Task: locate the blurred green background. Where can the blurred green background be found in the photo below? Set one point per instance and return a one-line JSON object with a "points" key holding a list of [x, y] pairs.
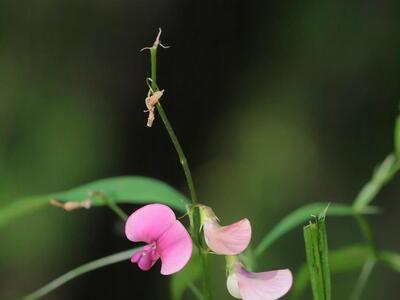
{"points": [[276, 103]]}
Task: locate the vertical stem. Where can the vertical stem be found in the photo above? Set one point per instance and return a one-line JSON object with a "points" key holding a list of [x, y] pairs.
{"points": [[363, 279], [369, 263], [382, 175], [170, 130], [367, 233], [195, 230], [195, 291], [207, 294]]}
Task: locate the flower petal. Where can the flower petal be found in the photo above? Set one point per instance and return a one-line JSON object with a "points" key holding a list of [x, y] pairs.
{"points": [[149, 222], [136, 256], [146, 262], [232, 285], [228, 240], [263, 286], [175, 248]]}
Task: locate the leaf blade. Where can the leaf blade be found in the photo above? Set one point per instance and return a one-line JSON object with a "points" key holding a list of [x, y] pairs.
{"points": [[391, 259], [300, 216], [22, 207], [341, 260], [127, 189], [122, 190], [316, 244]]}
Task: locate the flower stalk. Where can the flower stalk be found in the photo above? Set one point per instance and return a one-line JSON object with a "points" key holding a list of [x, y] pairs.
{"points": [[196, 224]]}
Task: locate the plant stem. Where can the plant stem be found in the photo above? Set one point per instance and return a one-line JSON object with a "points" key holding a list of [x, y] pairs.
{"points": [[88, 267], [207, 294], [367, 233], [195, 230], [170, 130], [382, 175], [114, 207], [117, 210], [181, 154], [363, 279], [195, 291]]}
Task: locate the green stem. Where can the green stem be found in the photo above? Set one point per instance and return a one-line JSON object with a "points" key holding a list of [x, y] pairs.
{"points": [[195, 226], [367, 233], [113, 206], [363, 279], [207, 294], [96, 264], [195, 291], [369, 263], [170, 130], [382, 175], [117, 210]]}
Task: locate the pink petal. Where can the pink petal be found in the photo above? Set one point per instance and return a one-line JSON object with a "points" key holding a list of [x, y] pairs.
{"points": [[146, 262], [232, 285], [263, 286], [175, 248], [136, 256], [145, 257], [228, 240], [148, 223]]}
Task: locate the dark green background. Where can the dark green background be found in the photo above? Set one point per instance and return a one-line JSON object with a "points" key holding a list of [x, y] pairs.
{"points": [[277, 104]]}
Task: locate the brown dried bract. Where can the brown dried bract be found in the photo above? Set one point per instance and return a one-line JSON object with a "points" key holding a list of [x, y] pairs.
{"points": [[151, 102], [72, 205]]}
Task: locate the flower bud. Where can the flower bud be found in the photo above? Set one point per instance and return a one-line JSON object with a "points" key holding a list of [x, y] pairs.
{"points": [[225, 240]]}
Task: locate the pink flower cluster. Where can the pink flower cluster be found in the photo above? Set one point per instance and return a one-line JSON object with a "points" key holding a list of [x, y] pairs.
{"points": [[167, 239]]}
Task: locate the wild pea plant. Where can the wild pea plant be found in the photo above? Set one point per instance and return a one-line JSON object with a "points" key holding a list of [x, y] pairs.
{"points": [[166, 239]]}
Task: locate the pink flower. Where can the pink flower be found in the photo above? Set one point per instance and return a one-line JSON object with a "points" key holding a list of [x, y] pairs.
{"points": [[166, 238], [225, 240], [246, 285]]}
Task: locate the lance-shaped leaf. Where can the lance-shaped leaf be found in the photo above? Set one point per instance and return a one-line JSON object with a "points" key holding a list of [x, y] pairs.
{"points": [[381, 176], [301, 215], [317, 258], [391, 259], [127, 189]]}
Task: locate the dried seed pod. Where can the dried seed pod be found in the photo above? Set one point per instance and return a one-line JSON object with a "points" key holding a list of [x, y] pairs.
{"points": [[151, 101], [72, 205]]}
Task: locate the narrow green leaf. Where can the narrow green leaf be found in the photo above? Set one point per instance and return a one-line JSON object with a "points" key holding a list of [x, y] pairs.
{"points": [[300, 216], [88, 267], [316, 244], [382, 175], [342, 260], [127, 189], [391, 259], [184, 279], [21, 207]]}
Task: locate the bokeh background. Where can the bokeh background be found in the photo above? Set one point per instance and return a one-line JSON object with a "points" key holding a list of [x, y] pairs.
{"points": [[276, 103]]}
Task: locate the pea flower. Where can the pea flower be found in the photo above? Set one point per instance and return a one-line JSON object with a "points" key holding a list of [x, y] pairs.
{"points": [[246, 285], [225, 240], [166, 238]]}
